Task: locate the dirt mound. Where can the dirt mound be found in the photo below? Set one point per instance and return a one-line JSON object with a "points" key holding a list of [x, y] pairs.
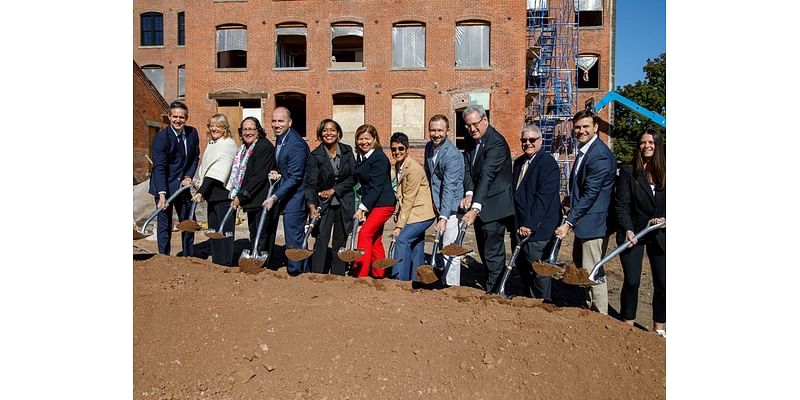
{"points": [[207, 332]]}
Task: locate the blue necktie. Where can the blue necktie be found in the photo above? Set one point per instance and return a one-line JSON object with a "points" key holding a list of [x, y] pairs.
{"points": [[182, 142]]}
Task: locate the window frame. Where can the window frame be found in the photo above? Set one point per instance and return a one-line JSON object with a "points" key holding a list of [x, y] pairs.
{"points": [[233, 55], [411, 24], [158, 34], [182, 28], [468, 23]]}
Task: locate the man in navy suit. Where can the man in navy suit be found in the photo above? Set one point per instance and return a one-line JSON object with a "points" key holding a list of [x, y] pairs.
{"points": [[536, 205], [488, 187], [291, 153], [176, 153], [444, 166], [591, 185]]}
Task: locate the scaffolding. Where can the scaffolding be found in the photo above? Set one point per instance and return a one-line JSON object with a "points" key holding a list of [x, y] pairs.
{"points": [[552, 48]]}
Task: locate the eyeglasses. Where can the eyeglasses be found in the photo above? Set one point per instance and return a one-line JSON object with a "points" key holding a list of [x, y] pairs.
{"points": [[474, 124], [398, 148], [529, 140]]}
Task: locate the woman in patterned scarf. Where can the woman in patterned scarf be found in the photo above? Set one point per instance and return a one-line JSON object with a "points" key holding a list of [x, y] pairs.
{"points": [[249, 183]]}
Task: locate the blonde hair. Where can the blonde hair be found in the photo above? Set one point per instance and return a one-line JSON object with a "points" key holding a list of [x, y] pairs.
{"points": [[222, 120]]}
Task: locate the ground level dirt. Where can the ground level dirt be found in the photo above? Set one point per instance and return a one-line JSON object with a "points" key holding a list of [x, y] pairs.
{"points": [[207, 332]]}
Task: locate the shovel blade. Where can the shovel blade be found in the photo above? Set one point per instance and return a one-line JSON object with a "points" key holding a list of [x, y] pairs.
{"points": [[298, 254], [577, 276], [384, 263], [426, 275], [250, 263], [455, 250], [545, 269], [348, 255], [139, 235], [189, 226]]}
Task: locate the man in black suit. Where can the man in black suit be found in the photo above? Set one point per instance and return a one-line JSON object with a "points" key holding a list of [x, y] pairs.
{"points": [[176, 153], [536, 206], [488, 187], [591, 184]]}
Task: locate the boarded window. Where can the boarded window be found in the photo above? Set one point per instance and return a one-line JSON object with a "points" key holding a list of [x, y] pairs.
{"points": [[408, 115], [408, 45], [472, 45], [348, 111]]}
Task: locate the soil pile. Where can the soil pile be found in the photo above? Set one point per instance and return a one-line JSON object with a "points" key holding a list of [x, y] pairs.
{"points": [[206, 332]]}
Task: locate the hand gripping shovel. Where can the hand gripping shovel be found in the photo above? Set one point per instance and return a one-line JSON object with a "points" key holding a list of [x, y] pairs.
{"points": [[425, 272], [592, 278], [502, 289], [350, 254], [190, 225], [141, 234], [220, 233], [457, 249], [389, 261], [251, 261], [302, 253]]}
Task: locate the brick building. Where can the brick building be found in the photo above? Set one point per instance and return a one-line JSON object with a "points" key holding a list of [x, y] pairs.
{"points": [[389, 63], [149, 112]]}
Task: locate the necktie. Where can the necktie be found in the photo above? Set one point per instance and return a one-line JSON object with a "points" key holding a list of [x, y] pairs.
{"points": [[477, 148], [360, 158], [577, 164], [522, 173], [182, 142]]}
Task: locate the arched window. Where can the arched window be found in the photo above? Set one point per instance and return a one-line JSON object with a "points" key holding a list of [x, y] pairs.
{"points": [[408, 45], [408, 115], [347, 45], [290, 46], [232, 46], [472, 44], [155, 73]]}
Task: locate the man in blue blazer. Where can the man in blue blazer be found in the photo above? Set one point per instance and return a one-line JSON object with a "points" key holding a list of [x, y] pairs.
{"points": [[591, 186], [537, 208], [176, 153], [488, 187], [291, 153], [444, 166]]}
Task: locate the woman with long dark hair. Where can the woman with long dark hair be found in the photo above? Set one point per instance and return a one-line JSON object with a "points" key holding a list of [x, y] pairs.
{"points": [[641, 198]]}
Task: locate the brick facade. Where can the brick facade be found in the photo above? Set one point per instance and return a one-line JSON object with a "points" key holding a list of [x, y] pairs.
{"points": [[149, 111], [446, 89]]}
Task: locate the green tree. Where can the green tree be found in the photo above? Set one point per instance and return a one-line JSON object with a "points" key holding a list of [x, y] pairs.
{"points": [[650, 94]]}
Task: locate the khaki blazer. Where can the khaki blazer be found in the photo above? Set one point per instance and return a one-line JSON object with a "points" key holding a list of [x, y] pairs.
{"points": [[414, 198]]}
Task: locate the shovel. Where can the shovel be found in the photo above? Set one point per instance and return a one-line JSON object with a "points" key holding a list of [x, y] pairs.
{"points": [[350, 254], [457, 249], [251, 261], [141, 234], [220, 233], [551, 267], [190, 225], [592, 278], [302, 253], [502, 290], [425, 272], [389, 261]]}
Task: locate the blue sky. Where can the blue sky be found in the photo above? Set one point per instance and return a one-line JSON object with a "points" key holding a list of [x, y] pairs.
{"points": [[641, 34]]}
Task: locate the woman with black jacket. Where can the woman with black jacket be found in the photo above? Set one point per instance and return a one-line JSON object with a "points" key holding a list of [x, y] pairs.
{"points": [[249, 181], [377, 199], [329, 180], [641, 198]]}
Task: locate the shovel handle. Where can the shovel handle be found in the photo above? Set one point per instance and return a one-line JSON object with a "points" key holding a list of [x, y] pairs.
{"points": [[435, 248], [355, 233], [501, 290], [225, 219], [462, 231], [650, 227], [314, 222], [390, 253], [263, 216], [158, 210]]}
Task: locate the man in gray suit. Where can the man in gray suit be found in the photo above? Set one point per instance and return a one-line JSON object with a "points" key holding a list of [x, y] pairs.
{"points": [[591, 184], [444, 166]]}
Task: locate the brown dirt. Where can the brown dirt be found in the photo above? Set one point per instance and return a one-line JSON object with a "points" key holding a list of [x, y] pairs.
{"points": [[189, 226], [207, 332], [546, 269], [576, 276], [348, 255], [455, 250], [384, 263], [203, 332], [426, 275], [298, 254]]}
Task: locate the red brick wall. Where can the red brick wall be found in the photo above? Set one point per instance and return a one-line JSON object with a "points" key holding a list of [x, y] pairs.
{"points": [[148, 107], [170, 55]]}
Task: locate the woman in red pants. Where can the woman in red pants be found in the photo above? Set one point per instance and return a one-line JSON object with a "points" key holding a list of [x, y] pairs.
{"points": [[377, 199]]}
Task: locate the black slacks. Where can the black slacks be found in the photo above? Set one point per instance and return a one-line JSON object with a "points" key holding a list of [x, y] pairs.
{"points": [[323, 262], [491, 247], [632, 268]]}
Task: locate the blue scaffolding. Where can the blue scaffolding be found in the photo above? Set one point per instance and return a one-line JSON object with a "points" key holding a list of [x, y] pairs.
{"points": [[550, 77]]}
